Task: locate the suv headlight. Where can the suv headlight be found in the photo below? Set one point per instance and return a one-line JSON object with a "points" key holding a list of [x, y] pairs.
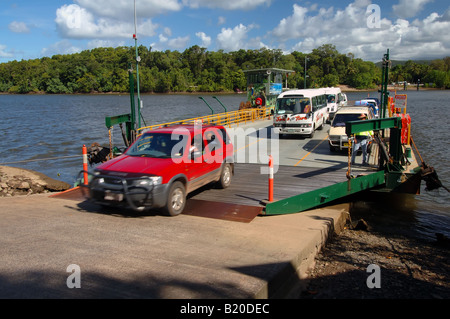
{"points": [[145, 181], [156, 180]]}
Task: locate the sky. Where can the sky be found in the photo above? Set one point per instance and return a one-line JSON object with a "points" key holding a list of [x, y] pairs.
{"points": [[410, 29]]}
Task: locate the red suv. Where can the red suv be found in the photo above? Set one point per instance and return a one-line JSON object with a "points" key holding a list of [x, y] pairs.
{"points": [[162, 166]]}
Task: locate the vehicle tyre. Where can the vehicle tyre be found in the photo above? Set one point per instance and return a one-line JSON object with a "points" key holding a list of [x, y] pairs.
{"points": [[312, 133], [322, 125], [225, 176], [176, 199]]}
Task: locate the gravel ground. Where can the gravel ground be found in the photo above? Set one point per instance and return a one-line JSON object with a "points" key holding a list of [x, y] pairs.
{"points": [[409, 268]]}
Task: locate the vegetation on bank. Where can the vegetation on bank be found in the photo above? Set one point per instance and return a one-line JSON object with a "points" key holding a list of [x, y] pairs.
{"points": [[199, 70]]}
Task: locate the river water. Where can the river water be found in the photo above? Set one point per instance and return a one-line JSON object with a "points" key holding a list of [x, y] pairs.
{"points": [[46, 133]]}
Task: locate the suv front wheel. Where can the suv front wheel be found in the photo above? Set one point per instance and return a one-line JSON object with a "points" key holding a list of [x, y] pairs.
{"points": [[225, 176], [176, 199]]}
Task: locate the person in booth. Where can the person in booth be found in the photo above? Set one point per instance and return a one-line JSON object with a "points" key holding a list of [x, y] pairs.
{"points": [[307, 109], [362, 140]]}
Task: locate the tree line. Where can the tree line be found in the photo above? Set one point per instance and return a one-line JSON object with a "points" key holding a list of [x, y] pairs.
{"points": [[199, 70]]}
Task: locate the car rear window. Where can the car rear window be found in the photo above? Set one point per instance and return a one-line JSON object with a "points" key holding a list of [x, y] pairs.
{"points": [[341, 119]]}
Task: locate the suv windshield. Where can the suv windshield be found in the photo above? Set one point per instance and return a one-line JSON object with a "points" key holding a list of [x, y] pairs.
{"points": [[159, 145], [293, 105], [341, 119]]}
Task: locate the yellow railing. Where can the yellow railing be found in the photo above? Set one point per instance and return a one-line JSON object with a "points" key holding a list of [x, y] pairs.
{"points": [[225, 119]]}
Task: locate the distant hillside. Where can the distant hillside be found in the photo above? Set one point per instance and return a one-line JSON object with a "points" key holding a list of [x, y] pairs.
{"points": [[196, 69]]}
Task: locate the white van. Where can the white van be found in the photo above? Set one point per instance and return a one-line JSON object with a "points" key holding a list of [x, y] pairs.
{"points": [[300, 112], [335, 100]]}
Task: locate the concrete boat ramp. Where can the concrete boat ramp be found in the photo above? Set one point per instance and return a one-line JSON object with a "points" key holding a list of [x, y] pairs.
{"points": [[124, 255], [50, 243]]}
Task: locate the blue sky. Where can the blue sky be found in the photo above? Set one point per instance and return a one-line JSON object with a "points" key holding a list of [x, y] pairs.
{"points": [[411, 29]]}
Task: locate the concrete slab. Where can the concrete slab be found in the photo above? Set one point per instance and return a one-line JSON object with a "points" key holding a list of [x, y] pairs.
{"points": [[123, 254]]}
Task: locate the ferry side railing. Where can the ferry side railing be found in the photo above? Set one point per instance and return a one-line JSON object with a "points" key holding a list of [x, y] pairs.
{"points": [[226, 119]]}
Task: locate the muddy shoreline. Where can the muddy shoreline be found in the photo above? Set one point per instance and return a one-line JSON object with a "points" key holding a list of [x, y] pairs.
{"points": [[409, 267], [19, 181]]}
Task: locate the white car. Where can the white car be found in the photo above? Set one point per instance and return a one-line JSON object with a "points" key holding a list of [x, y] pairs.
{"points": [[337, 138]]}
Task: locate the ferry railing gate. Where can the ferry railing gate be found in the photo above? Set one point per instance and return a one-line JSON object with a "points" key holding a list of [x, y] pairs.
{"points": [[201, 98]]}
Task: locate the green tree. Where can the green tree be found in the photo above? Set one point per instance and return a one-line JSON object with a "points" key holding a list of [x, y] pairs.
{"points": [[438, 79], [106, 70], [88, 83]]}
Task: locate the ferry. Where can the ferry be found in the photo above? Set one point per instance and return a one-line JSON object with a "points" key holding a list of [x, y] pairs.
{"points": [[393, 163]]}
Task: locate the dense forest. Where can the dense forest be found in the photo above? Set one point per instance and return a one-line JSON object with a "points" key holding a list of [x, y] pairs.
{"points": [[199, 70]]}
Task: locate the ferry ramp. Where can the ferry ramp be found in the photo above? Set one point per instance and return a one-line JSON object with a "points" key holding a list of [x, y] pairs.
{"points": [[230, 254], [301, 165]]}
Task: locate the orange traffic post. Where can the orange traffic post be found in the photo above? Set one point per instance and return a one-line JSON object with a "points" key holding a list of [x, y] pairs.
{"points": [[270, 178], [85, 165]]}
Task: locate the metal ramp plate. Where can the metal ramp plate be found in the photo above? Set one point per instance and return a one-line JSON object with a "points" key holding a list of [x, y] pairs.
{"points": [[220, 210], [72, 194], [194, 207]]}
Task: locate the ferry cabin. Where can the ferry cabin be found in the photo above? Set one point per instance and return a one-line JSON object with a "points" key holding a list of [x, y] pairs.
{"points": [[300, 112], [264, 85]]}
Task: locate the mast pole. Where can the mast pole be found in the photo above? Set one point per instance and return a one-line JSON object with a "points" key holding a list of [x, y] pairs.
{"points": [[137, 68]]}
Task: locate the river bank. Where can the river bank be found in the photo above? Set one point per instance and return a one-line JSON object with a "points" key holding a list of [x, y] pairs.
{"points": [[19, 181], [344, 89], [410, 267]]}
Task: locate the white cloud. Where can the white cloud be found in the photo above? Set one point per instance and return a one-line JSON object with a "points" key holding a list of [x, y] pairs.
{"points": [[228, 4], [178, 43], [165, 43], [104, 44], [206, 40], [124, 9], [167, 31], [306, 28], [233, 39], [348, 30], [303, 24], [221, 20], [18, 27], [61, 47], [409, 8], [4, 53], [163, 38], [293, 26], [74, 21], [445, 16]]}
